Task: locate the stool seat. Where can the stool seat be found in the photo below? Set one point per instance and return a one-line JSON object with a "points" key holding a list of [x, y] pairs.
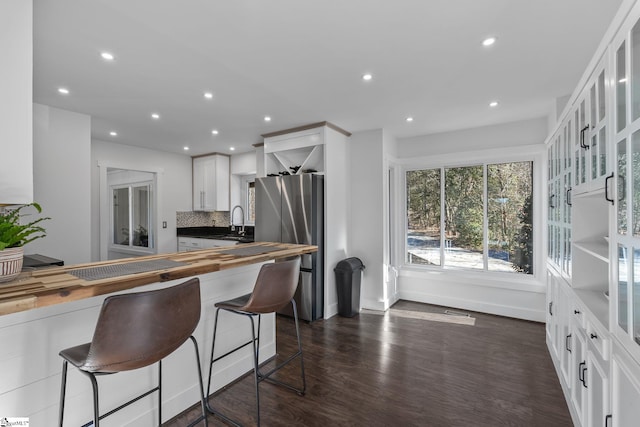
{"points": [[234, 304], [77, 355]]}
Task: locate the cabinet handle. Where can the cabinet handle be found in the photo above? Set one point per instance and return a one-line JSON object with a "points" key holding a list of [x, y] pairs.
{"points": [[584, 375], [607, 419], [582, 131], [594, 336], [576, 311], [551, 205], [606, 189], [568, 197], [566, 343], [551, 308], [581, 370]]}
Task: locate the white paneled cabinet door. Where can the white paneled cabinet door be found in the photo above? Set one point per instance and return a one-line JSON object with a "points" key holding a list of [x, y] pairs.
{"points": [[578, 367], [211, 183], [597, 385]]}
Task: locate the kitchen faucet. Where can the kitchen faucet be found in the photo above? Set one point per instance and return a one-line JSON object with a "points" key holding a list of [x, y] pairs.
{"points": [[233, 227]]}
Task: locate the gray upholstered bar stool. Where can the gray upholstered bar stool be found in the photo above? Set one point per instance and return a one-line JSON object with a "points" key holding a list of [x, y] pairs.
{"points": [[274, 288], [137, 330]]}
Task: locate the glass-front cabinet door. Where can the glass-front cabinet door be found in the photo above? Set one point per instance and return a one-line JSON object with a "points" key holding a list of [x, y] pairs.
{"points": [[591, 165], [624, 190]]}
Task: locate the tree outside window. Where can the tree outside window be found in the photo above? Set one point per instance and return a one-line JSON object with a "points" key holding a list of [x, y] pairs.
{"points": [[450, 222]]}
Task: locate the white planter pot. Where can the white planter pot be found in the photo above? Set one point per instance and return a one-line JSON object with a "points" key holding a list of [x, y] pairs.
{"points": [[10, 263]]}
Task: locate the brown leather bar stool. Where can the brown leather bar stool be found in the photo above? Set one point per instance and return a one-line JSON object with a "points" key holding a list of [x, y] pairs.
{"points": [[274, 288], [137, 330]]}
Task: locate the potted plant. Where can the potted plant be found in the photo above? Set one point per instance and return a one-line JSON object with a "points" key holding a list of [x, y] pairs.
{"points": [[13, 236]]}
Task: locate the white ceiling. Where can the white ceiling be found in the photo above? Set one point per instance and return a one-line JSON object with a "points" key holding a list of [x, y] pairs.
{"points": [[301, 61]]}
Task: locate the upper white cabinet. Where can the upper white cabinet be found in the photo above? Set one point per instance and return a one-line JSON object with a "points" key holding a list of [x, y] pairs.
{"points": [[299, 150], [591, 145], [211, 183]]}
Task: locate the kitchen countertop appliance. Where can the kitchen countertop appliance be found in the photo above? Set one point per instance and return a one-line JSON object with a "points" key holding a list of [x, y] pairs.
{"points": [[290, 209]]}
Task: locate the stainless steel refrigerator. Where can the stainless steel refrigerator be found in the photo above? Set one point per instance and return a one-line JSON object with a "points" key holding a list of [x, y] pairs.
{"points": [[290, 209]]}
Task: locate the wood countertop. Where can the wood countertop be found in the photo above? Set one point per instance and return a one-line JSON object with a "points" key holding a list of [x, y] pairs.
{"points": [[50, 286]]}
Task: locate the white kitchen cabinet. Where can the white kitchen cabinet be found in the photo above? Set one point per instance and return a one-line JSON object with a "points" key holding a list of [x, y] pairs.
{"points": [[188, 244], [211, 183]]}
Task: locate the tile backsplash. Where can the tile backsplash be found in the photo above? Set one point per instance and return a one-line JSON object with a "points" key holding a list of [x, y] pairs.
{"points": [[202, 219]]}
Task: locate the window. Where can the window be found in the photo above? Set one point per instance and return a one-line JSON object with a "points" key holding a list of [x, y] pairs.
{"points": [[131, 215], [475, 217], [249, 198]]}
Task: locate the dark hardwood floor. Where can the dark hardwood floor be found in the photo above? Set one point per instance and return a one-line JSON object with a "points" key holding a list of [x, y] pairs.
{"points": [[395, 370]]}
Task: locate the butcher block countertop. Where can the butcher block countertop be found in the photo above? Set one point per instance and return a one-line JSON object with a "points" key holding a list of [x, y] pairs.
{"points": [[41, 288]]}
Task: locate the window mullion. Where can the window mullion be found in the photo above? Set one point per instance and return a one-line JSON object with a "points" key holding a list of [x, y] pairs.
{"points": [[485, 219], [442, 217]]}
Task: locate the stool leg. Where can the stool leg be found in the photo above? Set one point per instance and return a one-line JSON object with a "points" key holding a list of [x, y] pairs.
{"points": [[96, 411], [202, 398], [213, 346], [295, 317], [255, 367], [63, 389], [159, 393]]}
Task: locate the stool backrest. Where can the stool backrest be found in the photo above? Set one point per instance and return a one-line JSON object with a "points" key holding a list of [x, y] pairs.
{"points": [[275, 286], [139, 329]]}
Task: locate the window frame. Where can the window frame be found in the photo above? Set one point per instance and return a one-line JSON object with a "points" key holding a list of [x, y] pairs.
{"points": [[533, 153], [245, 182], [130, 248]]}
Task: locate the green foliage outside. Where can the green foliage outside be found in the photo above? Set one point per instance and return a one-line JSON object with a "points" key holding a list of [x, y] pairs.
{"points": [[508, 209]]}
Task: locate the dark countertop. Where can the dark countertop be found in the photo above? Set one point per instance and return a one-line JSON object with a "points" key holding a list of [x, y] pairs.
{"points": [[217, 233]]}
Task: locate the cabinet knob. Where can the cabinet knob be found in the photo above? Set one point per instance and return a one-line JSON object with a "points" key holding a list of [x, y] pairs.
{"points": [[594, 336], [576, 311]]}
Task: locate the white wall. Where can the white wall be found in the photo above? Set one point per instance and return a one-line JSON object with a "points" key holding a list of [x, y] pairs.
{"points": [[337, 212], [367, 223], [16, 75], [61, 160], [174, 186], [524, 132], [505, 294]]}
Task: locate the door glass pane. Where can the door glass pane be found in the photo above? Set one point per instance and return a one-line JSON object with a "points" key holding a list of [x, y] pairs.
{"points": [[621, 206], [622, 288], [510, 217], [601, 99], [423, 217], [464, 217], [592, 117], [121, 216], [621, 85], [141, 216], [636, 295], [602, 150], [635, 71], [635, 188], [594, 156]]}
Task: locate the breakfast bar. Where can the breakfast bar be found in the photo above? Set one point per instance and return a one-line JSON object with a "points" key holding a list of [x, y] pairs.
{"points": [[45, 311]]}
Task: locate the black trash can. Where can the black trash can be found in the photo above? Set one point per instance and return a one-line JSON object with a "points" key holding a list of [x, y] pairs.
{"points": [[348, 274]]}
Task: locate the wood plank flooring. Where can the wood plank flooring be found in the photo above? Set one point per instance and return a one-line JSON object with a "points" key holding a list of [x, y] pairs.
{"points": [[394, 370]]}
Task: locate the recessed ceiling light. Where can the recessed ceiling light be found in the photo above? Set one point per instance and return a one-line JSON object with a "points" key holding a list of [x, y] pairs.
{"points": [[232, 148], [267, 118], [63, 90], [215, 131], [113, 133], [488, 41], [107, 56], [367, 77], [155, 116], [409, 119], [208, 95], [493, 104], [185, 148]]}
